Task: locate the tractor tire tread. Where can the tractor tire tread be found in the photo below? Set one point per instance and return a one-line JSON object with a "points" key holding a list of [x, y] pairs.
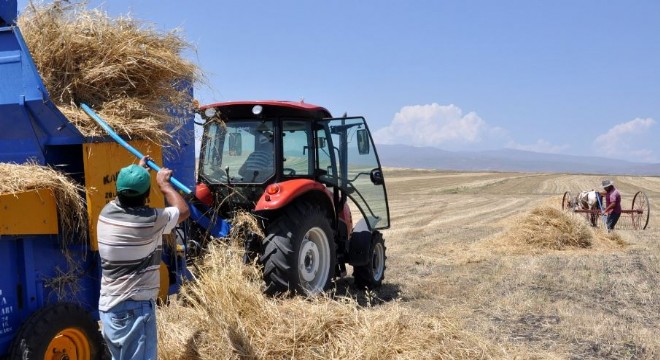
{"points": [[363, 276], [279, 253]]}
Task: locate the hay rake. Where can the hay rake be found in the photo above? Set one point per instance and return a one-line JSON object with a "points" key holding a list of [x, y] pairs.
{"points": [[635, 218]]}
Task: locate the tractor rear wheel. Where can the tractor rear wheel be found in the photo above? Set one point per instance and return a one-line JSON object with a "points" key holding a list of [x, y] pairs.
{"points": [[299, 251], [60, 331], [372, 274]]}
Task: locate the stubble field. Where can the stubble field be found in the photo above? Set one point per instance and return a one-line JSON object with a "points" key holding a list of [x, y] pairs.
{"points": [[480, 266], [450, 256]]}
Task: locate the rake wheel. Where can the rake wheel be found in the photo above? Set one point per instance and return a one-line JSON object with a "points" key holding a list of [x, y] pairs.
{"points": [[641, 211], [566, 201]]}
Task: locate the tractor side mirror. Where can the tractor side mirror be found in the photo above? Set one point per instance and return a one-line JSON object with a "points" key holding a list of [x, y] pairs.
{"points": [[321, 143], [376, 177], [363, 141], [235, 144]]}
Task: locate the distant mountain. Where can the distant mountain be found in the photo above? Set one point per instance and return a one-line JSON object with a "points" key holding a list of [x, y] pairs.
{"points": [[507, 160]]}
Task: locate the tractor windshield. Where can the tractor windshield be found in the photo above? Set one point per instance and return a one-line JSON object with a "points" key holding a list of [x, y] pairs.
{"points": [[238, 152]]}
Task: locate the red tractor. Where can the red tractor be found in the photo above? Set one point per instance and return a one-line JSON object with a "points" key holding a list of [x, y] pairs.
{"points": [[294, 167]]}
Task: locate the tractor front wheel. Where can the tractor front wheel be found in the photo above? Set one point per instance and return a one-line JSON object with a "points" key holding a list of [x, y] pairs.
{"points": [[299, 251], [60, 331], [372, 274]]}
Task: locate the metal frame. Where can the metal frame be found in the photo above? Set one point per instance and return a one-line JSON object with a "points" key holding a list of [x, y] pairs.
{"points": [[638, 215]]}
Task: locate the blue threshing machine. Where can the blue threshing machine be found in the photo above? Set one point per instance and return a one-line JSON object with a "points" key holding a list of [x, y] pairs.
{"points": [[49, 286]]}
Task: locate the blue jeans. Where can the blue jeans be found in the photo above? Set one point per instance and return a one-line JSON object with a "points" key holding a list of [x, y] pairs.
{"points": [[612, 219], [129, 330]]}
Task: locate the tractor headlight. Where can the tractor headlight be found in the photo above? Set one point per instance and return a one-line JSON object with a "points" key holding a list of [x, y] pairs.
{"points": [[210, 112]]}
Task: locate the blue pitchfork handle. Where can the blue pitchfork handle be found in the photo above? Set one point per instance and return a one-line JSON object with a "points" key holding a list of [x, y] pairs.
{"points": [[218, 229]]}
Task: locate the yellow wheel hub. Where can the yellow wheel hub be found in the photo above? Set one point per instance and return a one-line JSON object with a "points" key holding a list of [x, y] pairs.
{"points": [[68, 344]]}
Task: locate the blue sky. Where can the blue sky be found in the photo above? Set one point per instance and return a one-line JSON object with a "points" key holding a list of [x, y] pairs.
{"points": [[569, 77]]}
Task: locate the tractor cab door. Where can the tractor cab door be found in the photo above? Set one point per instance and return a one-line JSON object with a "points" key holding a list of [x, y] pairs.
{"points": [[347, 158]]}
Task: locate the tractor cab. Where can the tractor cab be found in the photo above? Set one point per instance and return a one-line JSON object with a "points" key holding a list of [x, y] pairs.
{"points": [[247, 146], [287, 159]]}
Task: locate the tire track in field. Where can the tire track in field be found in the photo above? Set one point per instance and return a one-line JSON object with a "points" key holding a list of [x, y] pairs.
{"points": [[559, 184], [447, 183]]}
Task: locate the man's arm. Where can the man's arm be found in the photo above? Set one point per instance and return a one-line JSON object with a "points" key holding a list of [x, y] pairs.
{"points": [[171, 195]]}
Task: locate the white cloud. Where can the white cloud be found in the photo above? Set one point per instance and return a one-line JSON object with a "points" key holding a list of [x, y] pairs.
{"points": [[625, 140], [541, 146], [436, 125]]}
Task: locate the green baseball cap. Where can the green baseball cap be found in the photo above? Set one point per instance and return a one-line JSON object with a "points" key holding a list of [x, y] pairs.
{"points": [[134, 178]]}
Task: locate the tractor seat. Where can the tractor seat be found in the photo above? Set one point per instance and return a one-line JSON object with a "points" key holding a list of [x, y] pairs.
{"points": [[257, 167]]}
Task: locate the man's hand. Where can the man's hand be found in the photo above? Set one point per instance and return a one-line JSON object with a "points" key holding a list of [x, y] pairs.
{"points": [[143, 161], [163, 177], [172, 197]]}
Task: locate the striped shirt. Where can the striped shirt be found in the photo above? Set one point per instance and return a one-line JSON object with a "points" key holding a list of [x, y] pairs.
{"points": [[130, 246]]}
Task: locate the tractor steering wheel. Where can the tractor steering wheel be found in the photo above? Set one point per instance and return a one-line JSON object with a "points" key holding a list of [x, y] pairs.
{"points": [[290, 170]]}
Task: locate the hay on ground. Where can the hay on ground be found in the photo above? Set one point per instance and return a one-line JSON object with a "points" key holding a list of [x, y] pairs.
{"points": [[125, 70], [15, 178], [224, 315], [244, 225], [550, 228]]}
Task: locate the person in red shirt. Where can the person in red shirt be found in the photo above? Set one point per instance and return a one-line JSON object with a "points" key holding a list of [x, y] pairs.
{"points": [[612, 204]]}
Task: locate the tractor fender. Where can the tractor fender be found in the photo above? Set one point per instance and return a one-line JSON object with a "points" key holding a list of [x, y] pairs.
{"points": [[344, 225], [359, 247], [347, 218], [278, 195]]}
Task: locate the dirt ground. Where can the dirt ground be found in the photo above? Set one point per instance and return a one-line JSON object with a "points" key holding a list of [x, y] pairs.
{"points": [[448, 257]]}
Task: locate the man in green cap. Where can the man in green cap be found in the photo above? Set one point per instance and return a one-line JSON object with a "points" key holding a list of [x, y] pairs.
{"points": [[130, 243]]}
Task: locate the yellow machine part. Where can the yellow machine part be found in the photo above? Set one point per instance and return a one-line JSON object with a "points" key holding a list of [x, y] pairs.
{"points": [[28, 213], [164, 283], [102, 164]]}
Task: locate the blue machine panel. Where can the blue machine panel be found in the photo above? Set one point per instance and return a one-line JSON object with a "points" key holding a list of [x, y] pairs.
{"points": [[181, 159], [9, 313], [8, 9], [28, 119], [35, 274]]}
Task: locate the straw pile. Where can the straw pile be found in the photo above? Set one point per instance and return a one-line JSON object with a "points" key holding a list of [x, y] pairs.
{"points": [[550, 228], [226, 316], [126, 71], [16, 178], [244, 224]]}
